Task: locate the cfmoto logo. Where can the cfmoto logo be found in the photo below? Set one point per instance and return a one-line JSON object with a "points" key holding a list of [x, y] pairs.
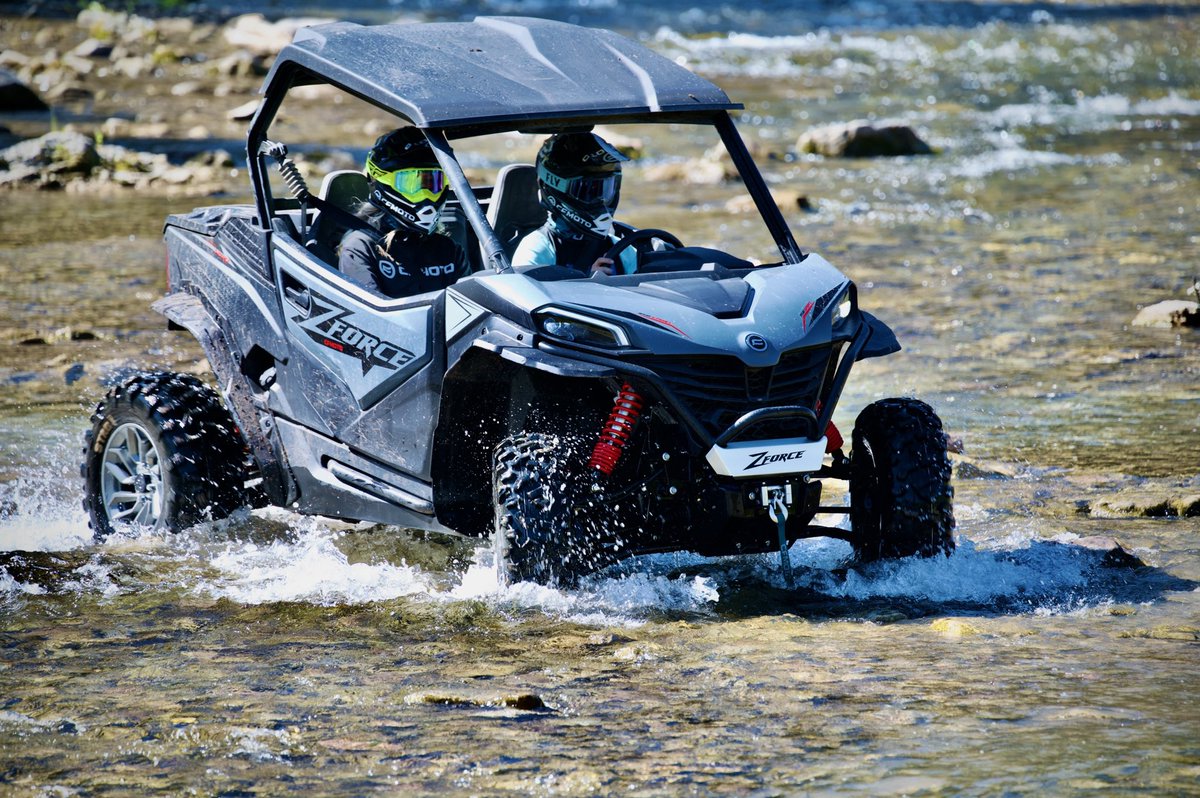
{"points": [[755, 342]]}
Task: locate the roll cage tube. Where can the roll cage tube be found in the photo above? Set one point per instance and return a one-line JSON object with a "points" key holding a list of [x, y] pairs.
{"points": [[255, 163], [466, 198], [757, 187]]}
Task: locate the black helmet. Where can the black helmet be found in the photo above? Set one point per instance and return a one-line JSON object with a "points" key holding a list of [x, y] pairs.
{"points": [[405, 180], [579, 177]]}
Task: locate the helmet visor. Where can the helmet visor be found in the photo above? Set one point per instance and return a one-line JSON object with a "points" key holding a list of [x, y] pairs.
{"points": [[590, 189], [425, 183], [586, 188], [419, 184]]}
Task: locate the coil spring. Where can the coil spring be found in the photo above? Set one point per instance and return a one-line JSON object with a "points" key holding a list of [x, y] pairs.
{"points": [[627, 409], [293, 179]]}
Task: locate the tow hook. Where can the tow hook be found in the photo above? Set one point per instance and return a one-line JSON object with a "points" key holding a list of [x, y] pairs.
{"points": [[777, 509]]}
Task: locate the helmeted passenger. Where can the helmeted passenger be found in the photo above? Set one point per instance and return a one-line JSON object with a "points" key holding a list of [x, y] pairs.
{"points": [[402, 254]]}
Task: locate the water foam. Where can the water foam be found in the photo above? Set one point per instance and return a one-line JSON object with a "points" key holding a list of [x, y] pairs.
{"points": [[308, 568]]}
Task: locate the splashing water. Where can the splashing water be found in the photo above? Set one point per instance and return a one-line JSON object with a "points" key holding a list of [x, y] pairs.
{"points": [[306, 560]]}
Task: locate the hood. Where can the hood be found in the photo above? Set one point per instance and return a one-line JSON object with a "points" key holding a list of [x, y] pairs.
{"points": [[755, 314]]}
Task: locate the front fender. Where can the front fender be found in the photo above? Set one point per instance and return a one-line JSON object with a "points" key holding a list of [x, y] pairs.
{"points": [[536, 359], [880, 338]]}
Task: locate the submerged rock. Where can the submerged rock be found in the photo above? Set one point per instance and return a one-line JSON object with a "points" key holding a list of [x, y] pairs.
{"points": [[1153, 504], [969, 468], [861, 139], [525, 702], [786, 199], [1169, 313], [1115, 555], [955, 627], [1187, 634]]}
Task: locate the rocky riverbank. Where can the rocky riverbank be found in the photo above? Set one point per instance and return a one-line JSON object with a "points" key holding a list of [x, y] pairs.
{"points": [[112, 99]]}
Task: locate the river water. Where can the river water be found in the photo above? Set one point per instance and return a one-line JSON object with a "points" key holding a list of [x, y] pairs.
{"points": [[271, 653]]}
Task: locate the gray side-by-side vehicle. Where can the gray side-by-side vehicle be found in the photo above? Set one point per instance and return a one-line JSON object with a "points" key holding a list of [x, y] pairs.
{"points": [[577, 420]]}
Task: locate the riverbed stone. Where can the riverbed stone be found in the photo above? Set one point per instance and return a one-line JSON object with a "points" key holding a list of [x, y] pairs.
{"points": [[12, 59], [955, 627], [1148, 504], [16, 96], [862, 139], [1169, 313], [62, 152], [242, 112], [786, 199], [638, 652], [69, 92], [1181, 633], [93, 48], [132, 66], [255, 33], [605, 639], [964, 467], [78, 64]]}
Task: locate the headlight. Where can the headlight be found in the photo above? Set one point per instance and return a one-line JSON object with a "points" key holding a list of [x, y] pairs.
{"points": [[567, 326], [843, 309], [843, 306]]}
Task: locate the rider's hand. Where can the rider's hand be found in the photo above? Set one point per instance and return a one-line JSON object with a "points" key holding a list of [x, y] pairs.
{"points": [[603, 266]]}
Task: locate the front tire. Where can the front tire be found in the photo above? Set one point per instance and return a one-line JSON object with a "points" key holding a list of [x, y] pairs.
{"points": [[545, 531], [901, 499], [163, 452]]}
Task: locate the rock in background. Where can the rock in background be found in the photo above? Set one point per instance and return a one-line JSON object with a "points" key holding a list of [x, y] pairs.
{"points": [[1169, 313], [861, 139], [68, 158]]}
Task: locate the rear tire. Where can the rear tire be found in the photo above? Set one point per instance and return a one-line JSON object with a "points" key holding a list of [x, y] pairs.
{"points": [[544, 531], [163, 453], [901, 499]]}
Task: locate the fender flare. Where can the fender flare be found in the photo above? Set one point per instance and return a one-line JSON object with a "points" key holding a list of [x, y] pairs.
{"points": [[257, 424], [538, 360], [880, 338]]}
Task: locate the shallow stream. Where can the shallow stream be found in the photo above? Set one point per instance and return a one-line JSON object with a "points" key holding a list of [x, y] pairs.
{"points": [[271, 653]]}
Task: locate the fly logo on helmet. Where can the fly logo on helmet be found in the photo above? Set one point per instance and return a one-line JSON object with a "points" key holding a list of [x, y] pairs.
{"points": [[579, 181]]}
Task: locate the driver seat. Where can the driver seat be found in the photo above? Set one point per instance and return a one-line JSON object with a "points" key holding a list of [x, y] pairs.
{"points": [[344, 188], [514, 209]]}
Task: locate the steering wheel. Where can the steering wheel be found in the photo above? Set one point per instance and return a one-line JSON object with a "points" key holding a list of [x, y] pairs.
{"points": [[645, 234]]}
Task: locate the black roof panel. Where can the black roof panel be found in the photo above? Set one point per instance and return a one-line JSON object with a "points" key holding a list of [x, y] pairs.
{"points": [[497, 69]]}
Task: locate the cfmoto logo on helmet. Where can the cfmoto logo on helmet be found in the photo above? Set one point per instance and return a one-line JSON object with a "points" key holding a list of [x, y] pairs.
{"points": [[755, 342]]}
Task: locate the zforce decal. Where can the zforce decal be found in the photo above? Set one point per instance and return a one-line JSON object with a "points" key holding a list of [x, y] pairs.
{"points": [[766, 458], [327, 325]]}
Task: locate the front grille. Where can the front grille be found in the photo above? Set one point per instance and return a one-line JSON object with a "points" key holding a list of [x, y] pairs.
{"points": [[718, 390]]}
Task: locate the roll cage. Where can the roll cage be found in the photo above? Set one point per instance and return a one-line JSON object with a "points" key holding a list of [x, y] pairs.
{"points": [[499, 74]]}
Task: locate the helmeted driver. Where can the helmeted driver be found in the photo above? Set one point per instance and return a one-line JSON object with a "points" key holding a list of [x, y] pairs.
{"points": [[402, 254], [579, 183]]}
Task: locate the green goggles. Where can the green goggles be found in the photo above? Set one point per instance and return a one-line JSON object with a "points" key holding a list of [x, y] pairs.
{"points": [[425, 183]]}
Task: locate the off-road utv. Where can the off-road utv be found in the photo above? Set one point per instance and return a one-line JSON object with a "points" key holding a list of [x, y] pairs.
{"points": [[575, 419]]}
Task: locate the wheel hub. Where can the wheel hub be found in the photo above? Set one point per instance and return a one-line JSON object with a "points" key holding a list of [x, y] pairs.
{"points": [[131, 480]]}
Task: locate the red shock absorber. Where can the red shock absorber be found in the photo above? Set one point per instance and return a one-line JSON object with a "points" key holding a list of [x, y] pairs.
{"points": [[627, 409]]}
